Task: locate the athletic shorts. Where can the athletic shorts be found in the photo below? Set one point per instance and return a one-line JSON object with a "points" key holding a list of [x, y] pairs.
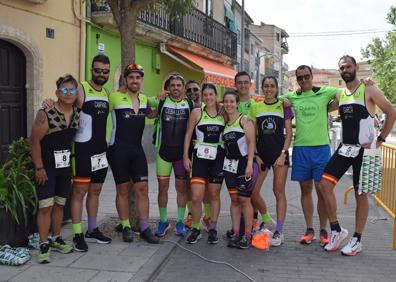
{"points": [[309, 162], [128, 163], [236, 182], [164, 168], [338, 165], [208, 170], [56, 189], [82, 168], [268, 162]]}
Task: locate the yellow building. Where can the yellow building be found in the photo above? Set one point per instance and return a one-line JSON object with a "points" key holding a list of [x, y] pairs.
{"points": [[40, 40]]}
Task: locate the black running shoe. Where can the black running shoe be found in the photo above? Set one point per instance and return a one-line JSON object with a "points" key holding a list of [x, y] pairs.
{"points": [[118, 228], [79, 243], [97, 236], [194, 236], [127, 235], [149, 237], [244, 243], [229, 234], [233, 242], [212, 237]]}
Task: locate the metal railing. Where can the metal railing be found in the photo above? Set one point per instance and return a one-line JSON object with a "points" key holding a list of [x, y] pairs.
{"points": [[195, 26], [387, 197]]}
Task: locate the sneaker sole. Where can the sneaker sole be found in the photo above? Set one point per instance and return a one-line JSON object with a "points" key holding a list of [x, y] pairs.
{"points": [[196, 240], [60, 251], [351, 254], [305, 242], [80, 250], [213, 242], [94, 240]]}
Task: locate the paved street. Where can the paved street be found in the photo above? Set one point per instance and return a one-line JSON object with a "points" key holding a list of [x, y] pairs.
{"points": [[166, 262]]}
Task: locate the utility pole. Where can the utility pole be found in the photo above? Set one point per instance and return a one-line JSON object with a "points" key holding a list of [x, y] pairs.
{"points": [[241, 68]]}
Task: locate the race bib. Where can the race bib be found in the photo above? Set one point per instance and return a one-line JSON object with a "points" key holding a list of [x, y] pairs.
{"points": [[349, 150], [230, 165], [62, 158], [98, 162], [206, 151]]}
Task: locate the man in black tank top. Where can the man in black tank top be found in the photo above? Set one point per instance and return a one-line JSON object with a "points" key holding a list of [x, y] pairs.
{"points": [[52, 134], [357, 109]]}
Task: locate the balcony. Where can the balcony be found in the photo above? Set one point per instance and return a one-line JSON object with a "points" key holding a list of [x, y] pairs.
{"points": [[285, 47], [194, 27]]}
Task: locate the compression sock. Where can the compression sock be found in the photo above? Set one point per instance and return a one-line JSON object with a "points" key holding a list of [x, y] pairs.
{"points": [[163, 214], [76, 228]]}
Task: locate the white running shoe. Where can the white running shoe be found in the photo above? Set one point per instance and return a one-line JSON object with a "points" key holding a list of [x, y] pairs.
{"points": [[336, 239], [352, 248], [277, 239]]}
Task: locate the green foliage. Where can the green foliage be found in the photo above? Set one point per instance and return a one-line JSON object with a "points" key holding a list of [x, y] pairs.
{"points": [[176, 8], [17, 190], [382, 59]]}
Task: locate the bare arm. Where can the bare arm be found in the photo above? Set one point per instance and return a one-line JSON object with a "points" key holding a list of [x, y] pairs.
{"points": [[39, 130], [192, 121], [248, 128]]}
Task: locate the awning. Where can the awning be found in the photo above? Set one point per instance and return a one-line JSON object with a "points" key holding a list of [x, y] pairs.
{"points": [[219, 74]]}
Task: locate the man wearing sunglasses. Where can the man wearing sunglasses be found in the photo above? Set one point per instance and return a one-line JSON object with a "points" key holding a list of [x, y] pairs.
{"points": [[311, 150], [50, 143], [89, 159]]}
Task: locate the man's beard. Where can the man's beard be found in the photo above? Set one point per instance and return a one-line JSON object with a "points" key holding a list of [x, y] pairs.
{"points": [[133, 89], [349, 78], [99, 80]]}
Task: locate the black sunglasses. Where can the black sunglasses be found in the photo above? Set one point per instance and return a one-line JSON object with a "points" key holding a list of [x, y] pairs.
{"points": [[302, 77], [192, 90], [99, 70]]}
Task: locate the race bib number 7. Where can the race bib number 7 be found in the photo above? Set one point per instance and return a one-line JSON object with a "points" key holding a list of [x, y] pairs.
{"points": [[98, 162], [230, 165], [62, 158]]}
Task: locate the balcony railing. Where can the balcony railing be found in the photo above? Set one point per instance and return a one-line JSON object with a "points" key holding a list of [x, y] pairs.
{"points": [[194, 26], [285, 47]]}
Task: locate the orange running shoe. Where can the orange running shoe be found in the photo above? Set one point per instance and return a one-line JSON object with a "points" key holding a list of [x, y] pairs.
{"points": [[206, 223], [188, 221], [308, 237], [324, 238]]}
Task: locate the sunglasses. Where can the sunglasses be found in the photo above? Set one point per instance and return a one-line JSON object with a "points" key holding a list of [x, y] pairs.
{"points": [[99, 70], [65, 90], [302, 77], [192, 90], [135, 67], [176, 76]]}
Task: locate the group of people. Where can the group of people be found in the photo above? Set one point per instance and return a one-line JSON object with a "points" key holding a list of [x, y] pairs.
{"points": [[205, 141]]}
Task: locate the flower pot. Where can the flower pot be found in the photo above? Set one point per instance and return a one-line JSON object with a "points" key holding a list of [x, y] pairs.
{"points": [[12, 233]]}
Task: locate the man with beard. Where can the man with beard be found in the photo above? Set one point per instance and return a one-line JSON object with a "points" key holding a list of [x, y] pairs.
{"points": [[357, 105], [126, 155], [89, 153], [173, 113]]}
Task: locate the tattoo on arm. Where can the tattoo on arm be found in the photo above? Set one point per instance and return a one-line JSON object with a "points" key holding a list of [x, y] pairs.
{"points": [[40, 118]]}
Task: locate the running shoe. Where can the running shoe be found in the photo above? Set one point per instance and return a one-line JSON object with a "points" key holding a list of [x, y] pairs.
{"points": [[244, 243], [307, 237], [255, 225], [206, 223], [229, 234], [44, 253], [61, 246], [336, 239], [233, 241], [97, 235], [188, 221], [270, 226], [324, 238], [212, 237], [352, 248], [13, 256], [118, 228], [127, 235], [180, 230], [79, 243], [162, 228], [148, 236], [277, 239], [194, 236]]}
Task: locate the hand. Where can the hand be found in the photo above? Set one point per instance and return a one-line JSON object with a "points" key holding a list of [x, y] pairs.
{"points": [[162, 95], [367, 81], [280, 161], [379, 144], [48, 103], [249, 171], [41, 176], [187, 163]]}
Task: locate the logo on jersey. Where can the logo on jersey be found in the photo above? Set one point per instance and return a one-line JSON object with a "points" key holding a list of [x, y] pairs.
{"points": [[268, 126], [127, 114], [308, 112]]}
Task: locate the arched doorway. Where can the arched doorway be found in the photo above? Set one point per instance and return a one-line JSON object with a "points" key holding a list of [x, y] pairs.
{"points": [[12, 96]]}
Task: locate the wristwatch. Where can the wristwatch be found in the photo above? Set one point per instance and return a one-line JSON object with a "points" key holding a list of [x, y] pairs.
{"points": [[380, 139]]}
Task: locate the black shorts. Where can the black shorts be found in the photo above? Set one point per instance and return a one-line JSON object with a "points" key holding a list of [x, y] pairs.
{"points": [[269, 161], [208, 170], [338, 165], [56, 189], [82, 169], [237, 183], [128, 163]]}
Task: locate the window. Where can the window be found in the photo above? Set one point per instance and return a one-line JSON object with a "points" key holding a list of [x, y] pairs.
{"points": [[277, 36], [208, 7], [239, 36], [251, 49]]}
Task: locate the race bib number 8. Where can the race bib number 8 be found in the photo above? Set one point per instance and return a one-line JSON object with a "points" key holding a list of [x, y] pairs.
{"points": [[98, 162], [349, 151], [206, 151], [62, 158], [230, 165]]}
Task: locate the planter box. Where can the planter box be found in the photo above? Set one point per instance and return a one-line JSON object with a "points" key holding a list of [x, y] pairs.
{"points": [[10, 232]]}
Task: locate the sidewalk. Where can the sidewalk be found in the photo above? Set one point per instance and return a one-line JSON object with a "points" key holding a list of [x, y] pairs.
{"points": [[140, 261]]}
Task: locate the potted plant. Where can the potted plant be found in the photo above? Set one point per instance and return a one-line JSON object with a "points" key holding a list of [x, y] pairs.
{"points": [[18, 199]]}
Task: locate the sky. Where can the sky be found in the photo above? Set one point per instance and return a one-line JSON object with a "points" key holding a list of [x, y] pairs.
{"points": [[323, 16]]}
